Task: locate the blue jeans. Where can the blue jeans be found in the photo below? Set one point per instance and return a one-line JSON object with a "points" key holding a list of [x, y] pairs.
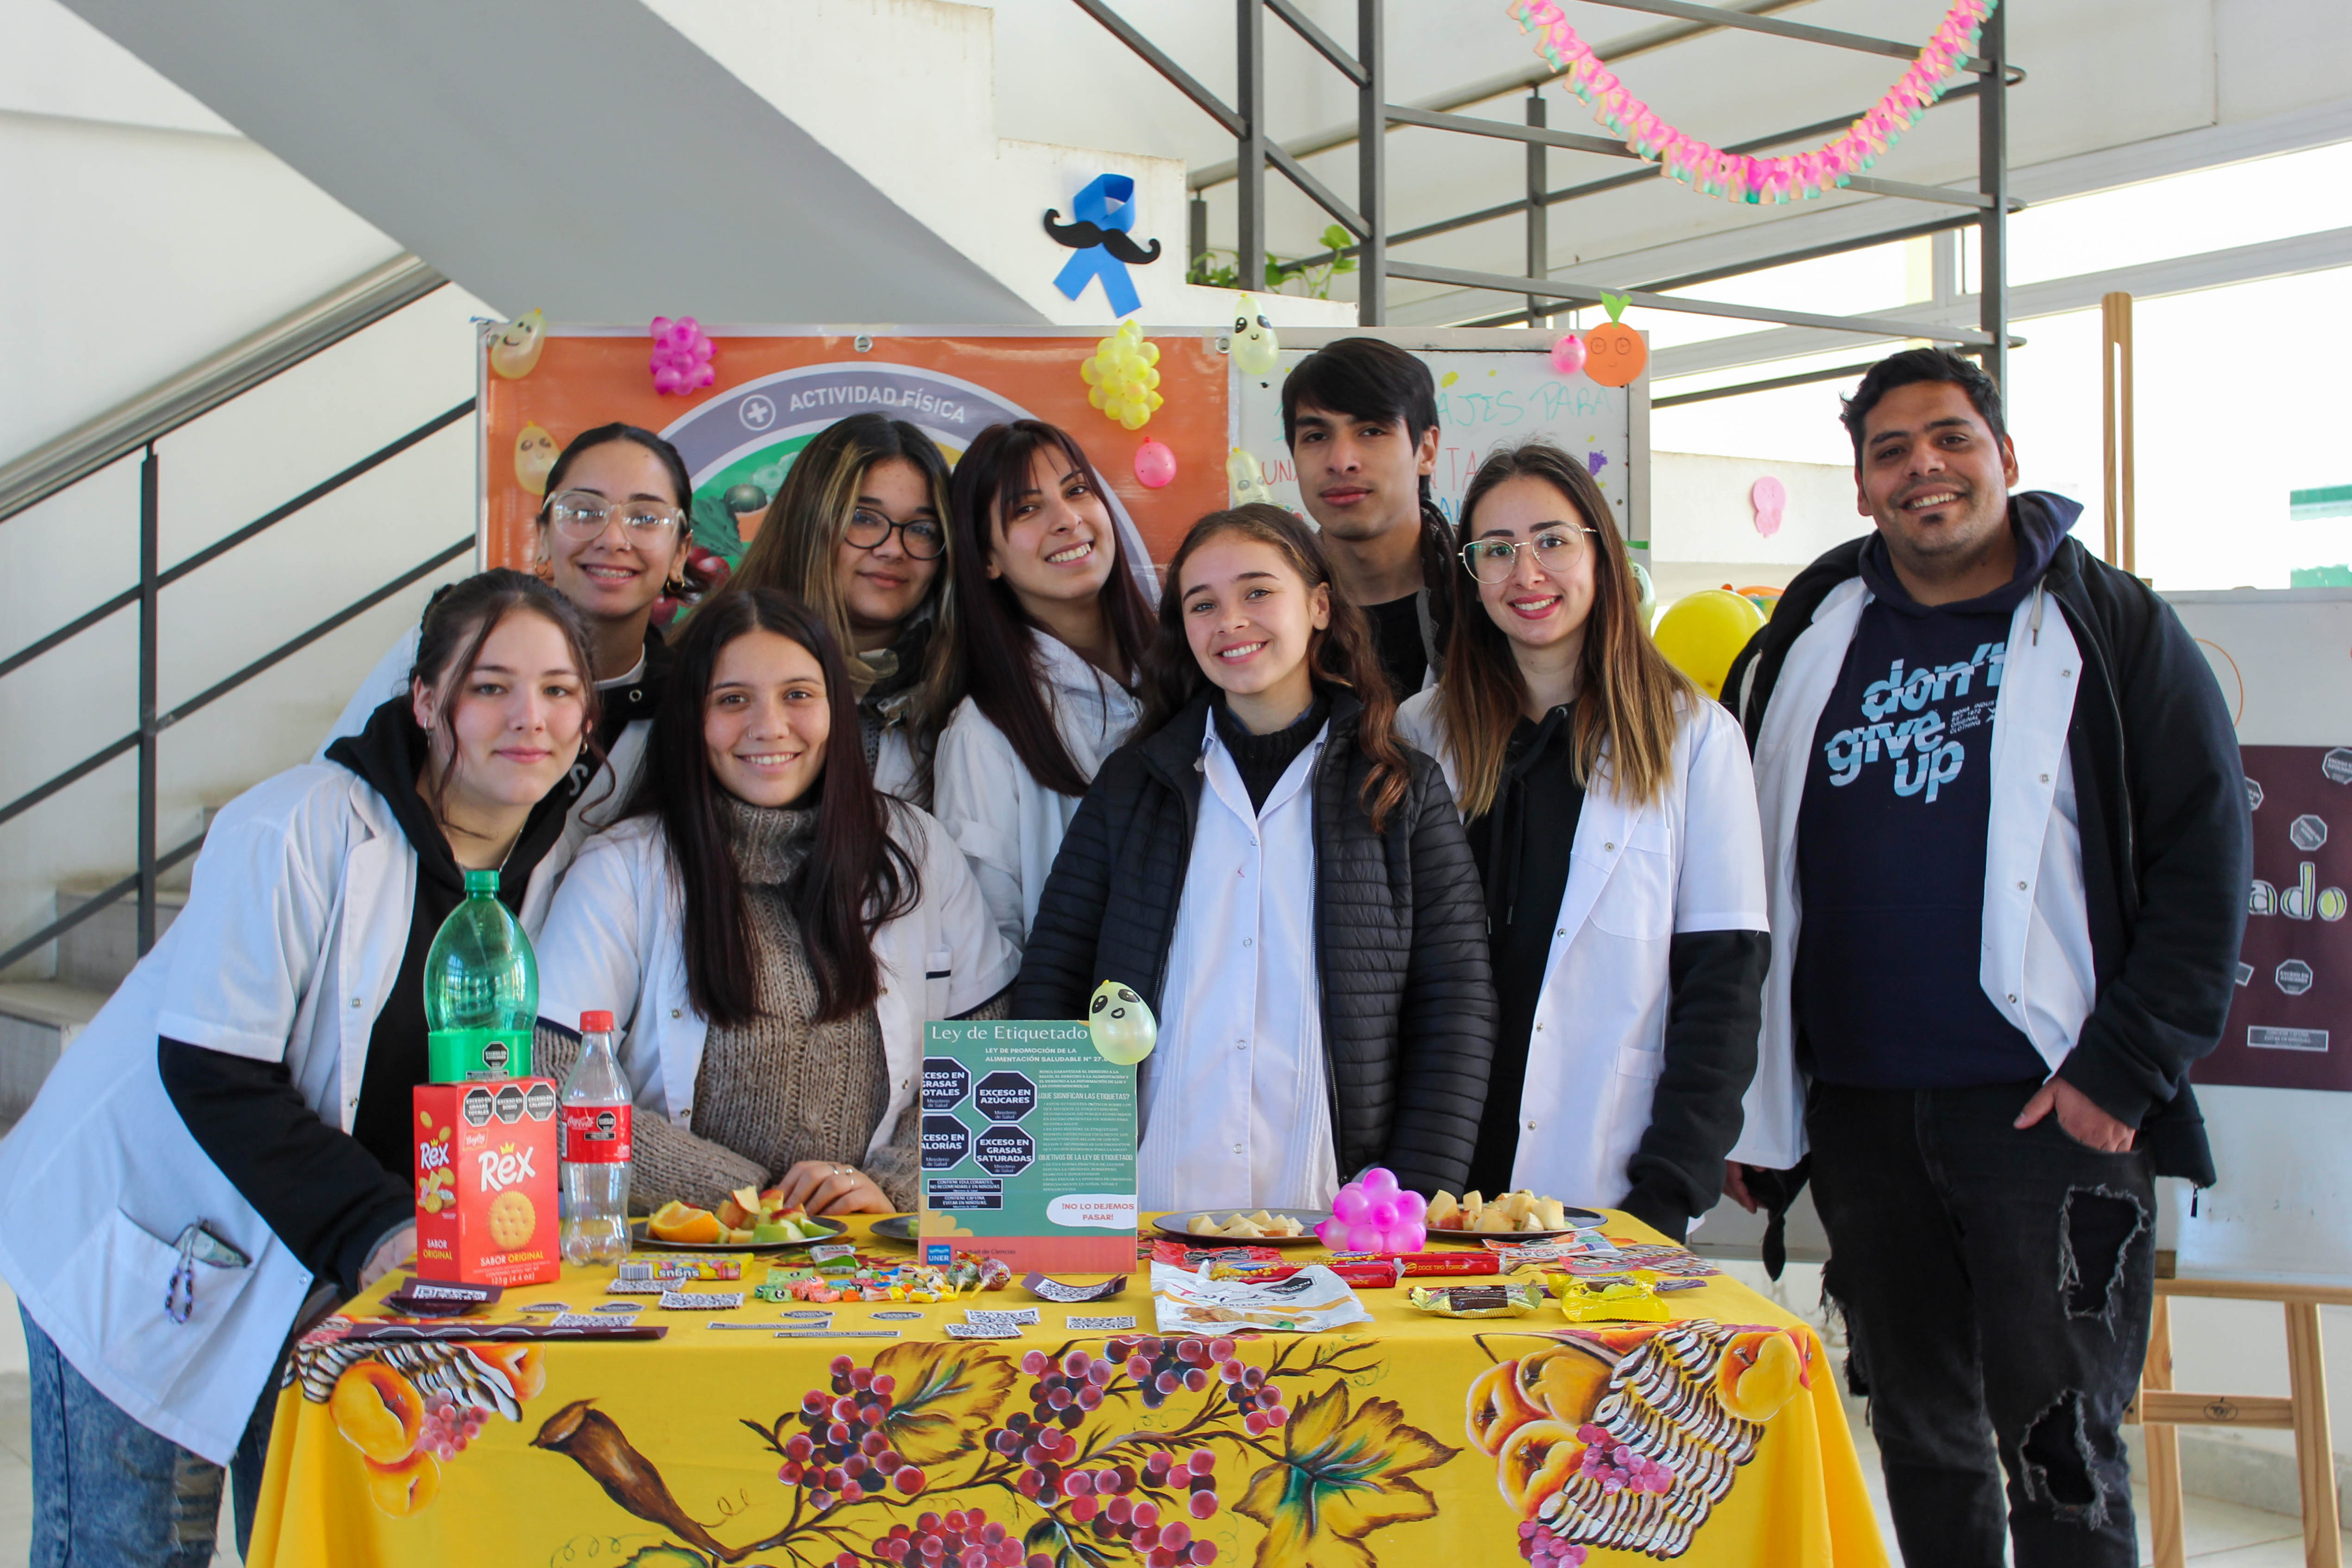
{"points": [[107, 1491], [1997, 1286]]}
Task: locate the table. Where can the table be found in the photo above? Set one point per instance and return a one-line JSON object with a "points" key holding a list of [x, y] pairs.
{"points": [[1410, 1440]]}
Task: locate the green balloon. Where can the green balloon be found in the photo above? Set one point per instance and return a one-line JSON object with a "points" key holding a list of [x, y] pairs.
{"points": [[1123, 1028]]}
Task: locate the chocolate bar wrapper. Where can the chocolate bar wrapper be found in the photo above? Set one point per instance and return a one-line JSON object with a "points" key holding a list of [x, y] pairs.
{"points": [[1501, 1301]]}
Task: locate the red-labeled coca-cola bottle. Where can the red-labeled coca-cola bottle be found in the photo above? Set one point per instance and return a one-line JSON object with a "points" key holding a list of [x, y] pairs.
{"points": [[596, 1149]]}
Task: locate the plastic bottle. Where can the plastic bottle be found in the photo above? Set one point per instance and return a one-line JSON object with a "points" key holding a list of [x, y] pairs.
{"points": [[482, 989], [596, 1149]]}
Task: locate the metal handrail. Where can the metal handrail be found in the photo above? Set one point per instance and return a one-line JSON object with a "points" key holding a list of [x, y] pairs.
{"points": [[154, 413]]}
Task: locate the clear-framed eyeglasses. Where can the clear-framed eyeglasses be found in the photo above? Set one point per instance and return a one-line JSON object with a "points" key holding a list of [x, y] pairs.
{"points": [[923, 539], [583, 513], [1557, 546]]}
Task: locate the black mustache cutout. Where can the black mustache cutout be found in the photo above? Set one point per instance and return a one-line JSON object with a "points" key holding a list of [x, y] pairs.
{"points": [[1081, 234]]}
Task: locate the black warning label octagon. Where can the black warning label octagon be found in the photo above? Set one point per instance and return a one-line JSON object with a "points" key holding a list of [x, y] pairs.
{"points": [[1005, 1096], [1002, 1151], [945, 1143]]}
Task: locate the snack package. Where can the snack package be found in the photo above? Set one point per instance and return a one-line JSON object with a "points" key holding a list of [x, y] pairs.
{"points": [[485, 1182], [680, 1266], [1363, 1273], [1310, 1301], [1420, 1265], [1190, 1258], [1623, 1298], [1502, 1301]]}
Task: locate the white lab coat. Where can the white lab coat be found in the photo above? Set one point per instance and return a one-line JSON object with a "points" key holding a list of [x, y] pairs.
{"points": [[615, 940], [1638, 874], [1237, 1094], [598, 804], [290, 943], [2036, 964], [1009, 826]]}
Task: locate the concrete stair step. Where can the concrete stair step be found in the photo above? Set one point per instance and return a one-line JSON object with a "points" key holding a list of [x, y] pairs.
{"points": [[99, 953], [38, 1018]]}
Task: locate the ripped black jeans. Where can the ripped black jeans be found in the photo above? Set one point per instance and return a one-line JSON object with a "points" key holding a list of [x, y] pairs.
{"points": [[1995, 1286]]}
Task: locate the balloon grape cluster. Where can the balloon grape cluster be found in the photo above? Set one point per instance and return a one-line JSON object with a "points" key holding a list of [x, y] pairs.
{"points": [[681, 359], [1374, 1215], [843, 1453], [1122, 378]]}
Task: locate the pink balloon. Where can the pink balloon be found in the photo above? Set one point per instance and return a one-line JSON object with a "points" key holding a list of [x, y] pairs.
{"points": [[1403, 1239], [1411, 1207], [1155, 465], [1380, 1181], [1363, 1238], [1333, 1233], [1381, 1213], [1567, 353], [1350, 1205]]}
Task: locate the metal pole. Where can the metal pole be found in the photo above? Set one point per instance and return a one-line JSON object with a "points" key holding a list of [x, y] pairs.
{"points": [[1196, 231], [1538, 214], [1249, 35], [1372, 164], [2116, 382], [149, 591], [1992, 180]]}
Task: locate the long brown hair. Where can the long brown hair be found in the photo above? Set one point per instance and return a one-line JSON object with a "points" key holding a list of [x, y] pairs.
{"points": [[1341, 655], [1629, 698], [855, 877], [801, 536], [458, 621], [999, 667]]}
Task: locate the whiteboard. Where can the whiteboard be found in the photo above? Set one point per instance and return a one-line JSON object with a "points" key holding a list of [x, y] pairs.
{"points": [[2283, 1208], [1495, 386]]}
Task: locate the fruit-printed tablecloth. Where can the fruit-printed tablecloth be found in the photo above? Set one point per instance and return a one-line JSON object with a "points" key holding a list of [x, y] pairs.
{"points": [[1715, 1438]]}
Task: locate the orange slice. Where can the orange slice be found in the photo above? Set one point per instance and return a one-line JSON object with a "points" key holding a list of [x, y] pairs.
{"points": [[676, 1221]]}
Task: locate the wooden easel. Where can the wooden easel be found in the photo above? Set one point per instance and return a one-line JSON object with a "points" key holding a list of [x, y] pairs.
{"points": [[2160, 1407]]}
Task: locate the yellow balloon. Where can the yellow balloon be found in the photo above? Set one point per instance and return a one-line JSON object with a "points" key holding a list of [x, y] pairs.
{"points": [[517, 349], [535, 456], [1121, 1023], [1702, 632]]}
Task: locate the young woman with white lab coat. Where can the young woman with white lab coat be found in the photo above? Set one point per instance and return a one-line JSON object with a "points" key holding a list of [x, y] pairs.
{"points": [[770, 933], [1613, 815], [226, 1149], [1285, 883], [613, 534], [1056, 619]]}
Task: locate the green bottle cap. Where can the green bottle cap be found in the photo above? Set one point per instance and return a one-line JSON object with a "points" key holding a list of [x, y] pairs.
{"points": [[481, 883]]}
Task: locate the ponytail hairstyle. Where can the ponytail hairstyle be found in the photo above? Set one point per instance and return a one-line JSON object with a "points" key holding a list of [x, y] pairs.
{"points": [[855, 877], [1628, 697], [458, 620], [999, 667], [1341, 655], [1372, 379]]}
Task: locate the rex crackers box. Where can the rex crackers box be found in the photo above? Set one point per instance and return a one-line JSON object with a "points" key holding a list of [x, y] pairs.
{"points": [[485, 1182]]}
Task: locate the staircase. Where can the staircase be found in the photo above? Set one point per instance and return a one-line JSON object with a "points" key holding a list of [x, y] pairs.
{"points": [[38, 1018]]}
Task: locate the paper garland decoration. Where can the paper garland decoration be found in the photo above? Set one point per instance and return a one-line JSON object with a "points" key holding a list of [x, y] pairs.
{"points": [[1736, 176]]}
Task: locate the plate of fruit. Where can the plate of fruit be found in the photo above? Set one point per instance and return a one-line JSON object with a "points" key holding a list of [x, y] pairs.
{"points": [[1520, 1216], [745, 1221], [1231, 1228]]}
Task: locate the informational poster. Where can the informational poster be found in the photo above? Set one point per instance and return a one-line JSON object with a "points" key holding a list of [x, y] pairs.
{"points": [[1028, 1148], [777, 387], [2286, 1027]]}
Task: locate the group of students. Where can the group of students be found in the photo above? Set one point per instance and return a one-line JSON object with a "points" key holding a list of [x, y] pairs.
{"points": [[1421, 851]]}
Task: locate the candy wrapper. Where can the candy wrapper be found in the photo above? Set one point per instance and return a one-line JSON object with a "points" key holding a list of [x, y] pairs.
{"points": [[1363, 1273], [1421, 1265], [680, 1266], [1503, 1301], [1624, 1298], [1052, 1290], [1669, 1262], [1307, 1301], [1190, 1258], [1544, 1254]]}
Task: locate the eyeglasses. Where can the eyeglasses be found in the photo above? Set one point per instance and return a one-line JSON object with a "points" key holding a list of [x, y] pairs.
{"points": [[583, 513], [1557, 546], [921, 538]]}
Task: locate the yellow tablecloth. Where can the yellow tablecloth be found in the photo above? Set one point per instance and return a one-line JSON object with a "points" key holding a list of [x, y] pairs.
{"points": [[1410, 1440]]}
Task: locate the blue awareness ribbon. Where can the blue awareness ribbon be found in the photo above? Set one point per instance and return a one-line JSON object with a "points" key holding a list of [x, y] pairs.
{"points": [[1092, 205]]}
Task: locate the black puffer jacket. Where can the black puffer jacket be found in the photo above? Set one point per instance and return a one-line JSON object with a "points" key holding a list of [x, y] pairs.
{"points": [[1400, 936]]}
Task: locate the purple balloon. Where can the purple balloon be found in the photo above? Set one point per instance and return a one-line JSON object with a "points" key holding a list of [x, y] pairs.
{"points": [[1363, 1238], [1411, 1208], [1381, 1212], [1380, 1181], [1350, 1205]]}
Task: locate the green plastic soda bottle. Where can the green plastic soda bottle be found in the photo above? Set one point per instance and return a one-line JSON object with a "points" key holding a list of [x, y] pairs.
{"points": [[481, 989]]}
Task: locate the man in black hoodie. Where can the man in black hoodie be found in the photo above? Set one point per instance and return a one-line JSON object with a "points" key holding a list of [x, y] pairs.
{"points": [[2006, 833]]}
